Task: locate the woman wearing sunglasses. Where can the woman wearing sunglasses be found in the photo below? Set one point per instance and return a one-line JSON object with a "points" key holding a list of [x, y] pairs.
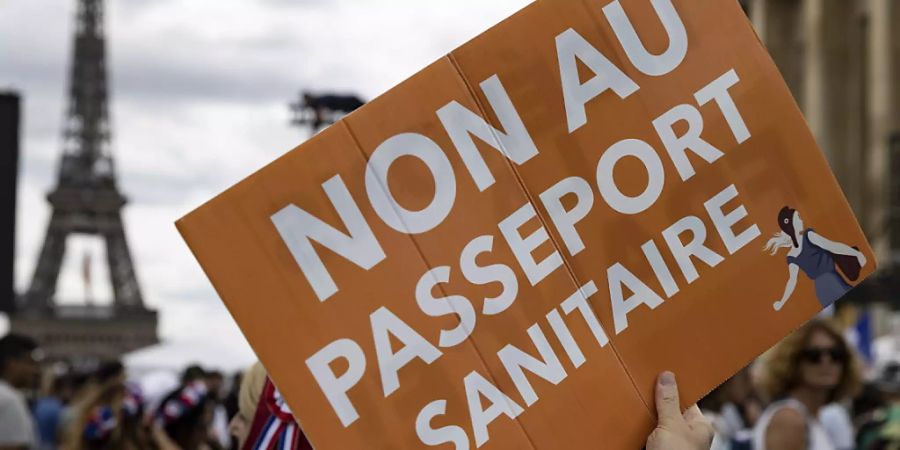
{"points": [[806, 371]]}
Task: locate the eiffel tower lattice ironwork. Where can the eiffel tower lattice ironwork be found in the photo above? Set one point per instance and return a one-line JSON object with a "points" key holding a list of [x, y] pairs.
{"points": [[87, 201]]}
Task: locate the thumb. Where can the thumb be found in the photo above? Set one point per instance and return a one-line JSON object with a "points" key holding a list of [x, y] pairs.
{"points": [[668, 408]]}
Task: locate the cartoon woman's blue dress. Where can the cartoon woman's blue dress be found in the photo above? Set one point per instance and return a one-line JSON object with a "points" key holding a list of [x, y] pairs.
{"points": [[818, 264]]}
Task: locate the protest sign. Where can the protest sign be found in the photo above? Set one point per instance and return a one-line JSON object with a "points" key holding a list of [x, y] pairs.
{"points": [[507, 248]]}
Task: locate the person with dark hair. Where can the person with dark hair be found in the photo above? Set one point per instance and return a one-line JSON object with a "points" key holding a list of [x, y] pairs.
{"points": [[815, 255], [183, 419], [109, 370], [19, 370], [807, 370], [191, 374]]}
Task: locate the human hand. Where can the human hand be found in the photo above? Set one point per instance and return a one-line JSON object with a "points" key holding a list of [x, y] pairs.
{"points": [[674, 430]]}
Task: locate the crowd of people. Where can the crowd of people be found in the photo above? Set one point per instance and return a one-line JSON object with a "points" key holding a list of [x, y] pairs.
{"points": [[48, 407], [806, 393]]}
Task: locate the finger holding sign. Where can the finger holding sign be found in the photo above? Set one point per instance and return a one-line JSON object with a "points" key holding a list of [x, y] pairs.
{"points": [[674, 430]]}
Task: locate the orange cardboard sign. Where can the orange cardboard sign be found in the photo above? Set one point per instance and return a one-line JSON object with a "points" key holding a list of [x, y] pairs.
{"points": [[506, 249]]}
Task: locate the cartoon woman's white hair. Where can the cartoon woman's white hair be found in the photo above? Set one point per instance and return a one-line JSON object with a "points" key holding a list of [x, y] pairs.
{"points": [[778, 241]]}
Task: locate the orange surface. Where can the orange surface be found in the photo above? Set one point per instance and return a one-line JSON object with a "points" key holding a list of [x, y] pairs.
{"points": [[705, 332]]}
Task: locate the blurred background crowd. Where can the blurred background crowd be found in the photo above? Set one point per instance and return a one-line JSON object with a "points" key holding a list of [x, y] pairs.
{"points": [[813, 390], [50, 406], [205, 92]]}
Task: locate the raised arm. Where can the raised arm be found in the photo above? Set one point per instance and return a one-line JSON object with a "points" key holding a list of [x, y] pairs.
{"points": [[789, 287], [837, 248]]}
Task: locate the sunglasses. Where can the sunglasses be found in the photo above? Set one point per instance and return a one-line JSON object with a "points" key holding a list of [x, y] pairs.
{"points": [[814, 355]]}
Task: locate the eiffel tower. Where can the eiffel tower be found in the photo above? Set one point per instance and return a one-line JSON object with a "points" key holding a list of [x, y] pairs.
{"points": [[86, 201]]}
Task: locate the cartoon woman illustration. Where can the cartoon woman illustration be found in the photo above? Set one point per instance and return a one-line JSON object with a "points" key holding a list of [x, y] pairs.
{"points": [[814, 254]]}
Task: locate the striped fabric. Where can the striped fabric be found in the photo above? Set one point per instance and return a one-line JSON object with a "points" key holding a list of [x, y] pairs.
{"points": [[274, 427]]}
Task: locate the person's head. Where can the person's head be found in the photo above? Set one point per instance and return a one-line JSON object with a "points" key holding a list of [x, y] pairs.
{"points": [[814, 357], [186, 415], [790, 223], [790, 226], [109, 372], [214, 382], [191, 374], [19, 364], [252, 383], [62, 387]]}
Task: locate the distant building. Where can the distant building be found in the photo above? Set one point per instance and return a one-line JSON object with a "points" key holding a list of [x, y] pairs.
{"points": [[841, 60], [9, 157]]}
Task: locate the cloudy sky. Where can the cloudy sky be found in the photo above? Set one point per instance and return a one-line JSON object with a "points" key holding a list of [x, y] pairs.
{"points": [[200, 90]]}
